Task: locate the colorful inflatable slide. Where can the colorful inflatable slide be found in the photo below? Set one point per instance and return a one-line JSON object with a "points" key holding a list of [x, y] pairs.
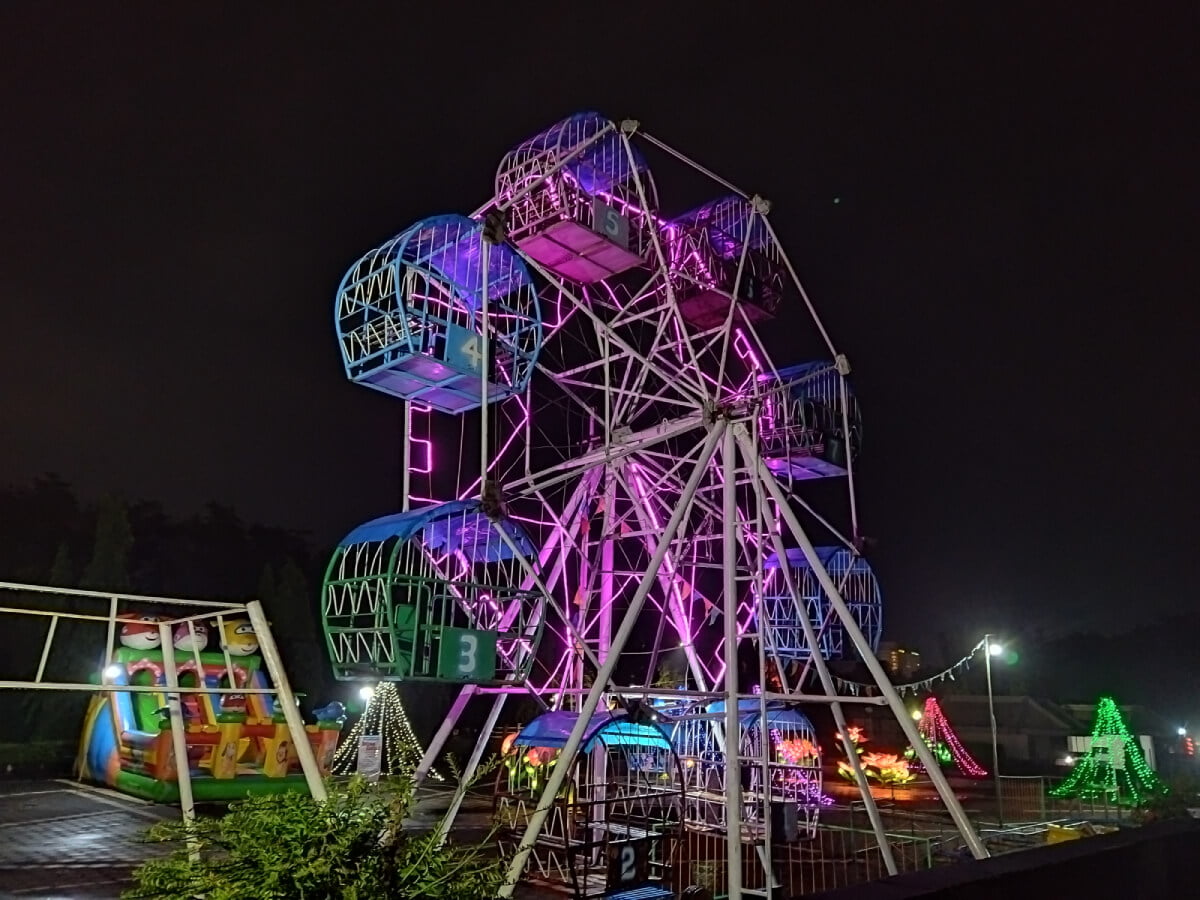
{"points": [[237, 744]]}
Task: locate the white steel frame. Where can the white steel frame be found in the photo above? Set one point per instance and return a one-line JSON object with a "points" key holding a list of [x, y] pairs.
{"points": [[111, 606]]}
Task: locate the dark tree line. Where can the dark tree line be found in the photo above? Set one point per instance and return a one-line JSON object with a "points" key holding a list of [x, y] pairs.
{"points": [[50, 535]]}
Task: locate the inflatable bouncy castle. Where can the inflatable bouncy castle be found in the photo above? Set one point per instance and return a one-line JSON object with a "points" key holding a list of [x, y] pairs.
{"points": [[237, 743]]}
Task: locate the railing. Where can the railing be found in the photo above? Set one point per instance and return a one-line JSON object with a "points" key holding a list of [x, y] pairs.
{"points": [[1029, 799], [836, 856], [91, 619]]}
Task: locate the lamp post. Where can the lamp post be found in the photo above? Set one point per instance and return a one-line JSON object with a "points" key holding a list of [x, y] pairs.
{"points": [[990, 650]]}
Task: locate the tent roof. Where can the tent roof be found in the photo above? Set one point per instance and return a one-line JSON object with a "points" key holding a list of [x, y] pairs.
{"points": [[552, 729]]}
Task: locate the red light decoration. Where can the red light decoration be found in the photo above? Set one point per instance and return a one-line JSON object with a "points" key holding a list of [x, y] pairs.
{"points": [[936, 731]]}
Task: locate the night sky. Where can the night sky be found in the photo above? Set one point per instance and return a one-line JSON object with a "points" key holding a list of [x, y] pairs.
{"points": [[996, 214]]}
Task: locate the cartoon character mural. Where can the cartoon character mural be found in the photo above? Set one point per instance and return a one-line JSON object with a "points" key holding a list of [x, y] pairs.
{"points": [[237, 743], [140, 631], [238, 637], [189, 639]]}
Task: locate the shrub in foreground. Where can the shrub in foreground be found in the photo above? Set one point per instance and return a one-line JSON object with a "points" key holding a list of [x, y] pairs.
{"points": [[289, 846]]}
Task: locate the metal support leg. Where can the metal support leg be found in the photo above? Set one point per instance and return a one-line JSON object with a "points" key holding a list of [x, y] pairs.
{"points": [[839, 717], [733, 743], [443, 733], [183, 771], [859, 640], [470, 769], [286, 700], [561, 769]]}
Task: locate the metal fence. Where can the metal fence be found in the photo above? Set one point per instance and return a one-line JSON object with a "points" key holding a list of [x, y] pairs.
{"points": [[836, 856], [1029, 799]]}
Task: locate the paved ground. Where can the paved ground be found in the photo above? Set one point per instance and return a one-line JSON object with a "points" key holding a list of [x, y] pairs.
{"points": [[59, 839], [64, 840]]}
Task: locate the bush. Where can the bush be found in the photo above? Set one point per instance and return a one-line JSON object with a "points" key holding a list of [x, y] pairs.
{"points": [[1181, 796], [290, 846]]}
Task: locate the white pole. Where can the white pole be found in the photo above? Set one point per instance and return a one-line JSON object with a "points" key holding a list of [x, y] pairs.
{"points": [[674, 606], [604, 626], [468, 772], [756, 551], [444, 731], [567, 755], [109, 649], [183, 771], [287, 700], [726, 329], [41, 669], [987, 656], [627, 128], [843, 363], [733, 743], [859, 640], [729, 186], [812, 310]]}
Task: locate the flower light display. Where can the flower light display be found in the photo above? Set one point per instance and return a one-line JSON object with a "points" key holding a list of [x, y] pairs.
{"points": [[886, 768]]}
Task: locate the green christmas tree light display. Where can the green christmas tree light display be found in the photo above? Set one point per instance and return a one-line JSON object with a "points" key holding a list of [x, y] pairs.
{"points": [[1114, 767], [401, 751]]}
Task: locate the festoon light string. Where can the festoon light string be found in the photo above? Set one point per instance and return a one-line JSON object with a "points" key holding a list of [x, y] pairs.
{"points": [[913, 687]]}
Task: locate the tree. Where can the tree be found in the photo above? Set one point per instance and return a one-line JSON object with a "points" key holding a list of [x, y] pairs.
{"points": [[1114, 768], [291, 590], [266, 586], [61, 569], [108, 569], [289, 604]]}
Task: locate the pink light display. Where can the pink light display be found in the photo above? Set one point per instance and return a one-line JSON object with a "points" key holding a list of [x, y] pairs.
{"points": [[935, 730]]}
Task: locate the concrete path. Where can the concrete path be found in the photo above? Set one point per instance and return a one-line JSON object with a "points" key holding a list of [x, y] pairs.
{"points": [[70, 841], [59, 839]]}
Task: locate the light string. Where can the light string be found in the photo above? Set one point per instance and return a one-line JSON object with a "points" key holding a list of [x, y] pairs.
{"points": [[914, 687], [384, 716], [939, 737], [1114, 767]]}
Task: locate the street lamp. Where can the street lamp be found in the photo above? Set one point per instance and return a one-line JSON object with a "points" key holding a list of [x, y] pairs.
{"points": [[992, 649]]}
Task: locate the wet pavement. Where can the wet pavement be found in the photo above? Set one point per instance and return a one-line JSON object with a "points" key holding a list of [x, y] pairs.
{"points": [[59, 839], [65, 840]]}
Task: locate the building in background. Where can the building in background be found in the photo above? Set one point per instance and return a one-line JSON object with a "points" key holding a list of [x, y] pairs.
{"points": [[902, 663]]}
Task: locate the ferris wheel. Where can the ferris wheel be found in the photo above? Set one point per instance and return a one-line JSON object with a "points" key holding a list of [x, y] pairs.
{"points": [[621, 529]]}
